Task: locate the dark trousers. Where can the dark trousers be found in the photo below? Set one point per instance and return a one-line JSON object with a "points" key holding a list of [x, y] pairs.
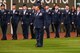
{"points": [[48, 32], [78, 31], [67, 28], [4, 30], [32, 31], [39, 36], [14, 27], [25, 30], [72, 27], [52, 25], [57, 28]]}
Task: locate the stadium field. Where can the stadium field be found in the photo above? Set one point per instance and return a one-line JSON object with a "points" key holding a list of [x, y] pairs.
{"points": [[58, 45]]}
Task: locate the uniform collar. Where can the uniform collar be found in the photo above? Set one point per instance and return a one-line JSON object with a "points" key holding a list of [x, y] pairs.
{"points": [[78, 12], [24, 10], [67, 10], [3, 9], [56, 10], [47, 10]]}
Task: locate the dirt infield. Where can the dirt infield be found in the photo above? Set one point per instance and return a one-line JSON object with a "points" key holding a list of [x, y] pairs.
{"points": [[52, 35]]}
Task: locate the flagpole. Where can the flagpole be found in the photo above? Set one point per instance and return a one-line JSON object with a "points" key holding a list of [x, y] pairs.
{"points": [[11, 24]]}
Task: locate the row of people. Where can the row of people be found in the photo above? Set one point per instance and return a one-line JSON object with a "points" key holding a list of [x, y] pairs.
{"points": [[38, 18]]}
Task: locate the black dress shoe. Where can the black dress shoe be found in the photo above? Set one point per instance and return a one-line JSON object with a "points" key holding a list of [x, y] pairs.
{"points": [[39, 46], [56, 37], [78, 35], [33, 38], [66, 36], [48, 37], [25, 38], [3, 39], [14, 39]]}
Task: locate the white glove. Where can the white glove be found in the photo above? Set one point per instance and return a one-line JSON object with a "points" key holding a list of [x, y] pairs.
{"points": [[62, 23], [72, 22], [34, 27], [31, 23], [22, 23], [44, 27], [8, 23]]}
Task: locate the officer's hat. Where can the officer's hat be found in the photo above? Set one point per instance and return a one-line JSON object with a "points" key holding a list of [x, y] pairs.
{"points": [[34, 4], [66, 4], [38, 5], [46, 4], [24, 5], [14, 4], [38, 2]]}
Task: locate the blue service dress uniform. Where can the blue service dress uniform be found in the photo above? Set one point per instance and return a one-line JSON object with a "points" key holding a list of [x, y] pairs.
{"points": [[56, 17], [52, 23], [78, 23], [14, 21], [4, 22], [73, 16], [32, 12], [67, 21], [38, 25], [25, 23], [8, 16], [47, 21]]}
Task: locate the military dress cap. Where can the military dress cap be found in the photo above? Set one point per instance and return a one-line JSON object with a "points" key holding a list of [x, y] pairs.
{"points": [[46, 4], [38, 5], [66, 4], [34, 4], [39, 2], [14, 3], [24, 4]]}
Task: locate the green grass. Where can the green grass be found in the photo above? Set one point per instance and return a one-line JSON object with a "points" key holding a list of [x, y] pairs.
{"points": [[65, 45]]}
